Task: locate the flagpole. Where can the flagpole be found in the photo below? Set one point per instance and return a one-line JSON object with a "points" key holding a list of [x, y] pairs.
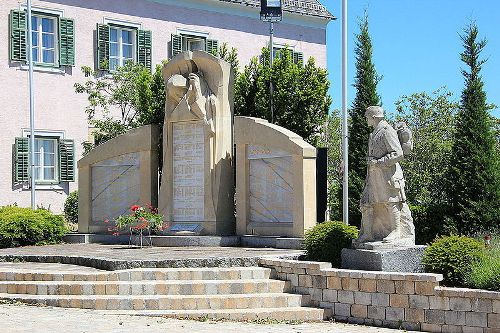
{"points": [[32, 110], [345, 138]]}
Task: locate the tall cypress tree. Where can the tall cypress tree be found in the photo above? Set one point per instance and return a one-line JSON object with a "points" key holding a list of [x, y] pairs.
{"points": [[366, 81], [474, 178]]}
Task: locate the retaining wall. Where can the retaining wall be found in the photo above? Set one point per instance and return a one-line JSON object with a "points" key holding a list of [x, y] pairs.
{"points": [[412, 301]]}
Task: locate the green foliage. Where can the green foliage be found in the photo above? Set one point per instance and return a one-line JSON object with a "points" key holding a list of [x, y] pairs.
{"points": [[485, 274], [139, 219], [24, 226], [331, 138], [430, 222], [71, 207], [431, 120], [365, 82], [453, 256], [474, 173], [325, 241], [231, 56], [300, 97]]}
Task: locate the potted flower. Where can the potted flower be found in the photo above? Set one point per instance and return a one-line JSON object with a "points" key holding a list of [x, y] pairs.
{"points": [[141, 221]]}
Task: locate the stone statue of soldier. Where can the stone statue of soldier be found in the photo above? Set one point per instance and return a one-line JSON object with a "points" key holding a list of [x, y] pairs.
{"points": [[386, 217]]}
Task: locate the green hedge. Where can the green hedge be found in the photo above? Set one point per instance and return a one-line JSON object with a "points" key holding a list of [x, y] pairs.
{"points": [[71, 208], [453, 256], [431, 222], [325, 241], [24, 226]]}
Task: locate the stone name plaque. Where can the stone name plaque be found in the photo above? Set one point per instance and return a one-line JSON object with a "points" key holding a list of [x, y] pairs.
{"points": [[270, 185], [115, 186], [188, 171]]}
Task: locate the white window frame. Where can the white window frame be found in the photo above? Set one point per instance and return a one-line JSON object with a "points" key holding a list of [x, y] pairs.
{"points": [[191, 35], [121, 60], [40, 17], [57, 136]]}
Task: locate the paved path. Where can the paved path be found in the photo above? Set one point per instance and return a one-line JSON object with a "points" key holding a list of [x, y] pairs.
{"points": [[17, 318]]}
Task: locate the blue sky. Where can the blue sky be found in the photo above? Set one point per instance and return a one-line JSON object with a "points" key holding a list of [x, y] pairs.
{"points": [[416, 45]]}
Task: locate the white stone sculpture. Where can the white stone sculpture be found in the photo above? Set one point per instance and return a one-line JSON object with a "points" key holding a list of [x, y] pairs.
{"points": [[197, 179], [386, 217]]}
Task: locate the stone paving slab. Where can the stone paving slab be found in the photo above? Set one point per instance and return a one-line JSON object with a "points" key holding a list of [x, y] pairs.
{"points": [[114, 257], [16, 318]]}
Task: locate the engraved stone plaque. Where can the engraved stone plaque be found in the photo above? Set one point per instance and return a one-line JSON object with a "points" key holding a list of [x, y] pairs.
{"points": [[115, 186], [270, 185], [188, 171]]}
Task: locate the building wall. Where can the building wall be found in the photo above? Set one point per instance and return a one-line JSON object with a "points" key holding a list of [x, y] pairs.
{"points": [[59, 108]]}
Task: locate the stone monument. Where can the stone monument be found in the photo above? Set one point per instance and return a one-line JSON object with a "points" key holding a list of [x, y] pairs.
{"points": [[196, 192], [387, 236]]}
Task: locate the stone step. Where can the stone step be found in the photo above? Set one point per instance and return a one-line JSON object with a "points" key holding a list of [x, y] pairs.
{"points": [[202, 273], [145, 287], [164, 302], [296, 314]]}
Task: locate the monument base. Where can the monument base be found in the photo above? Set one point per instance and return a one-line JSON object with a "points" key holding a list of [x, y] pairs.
{"points": [[401, 259]]}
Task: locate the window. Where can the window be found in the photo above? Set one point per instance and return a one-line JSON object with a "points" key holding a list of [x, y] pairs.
{"points": [[117, 44], [44, 36], [54, 159], [297, 57], [53, 38], [45, 160], [121, 47], [185, 42]]}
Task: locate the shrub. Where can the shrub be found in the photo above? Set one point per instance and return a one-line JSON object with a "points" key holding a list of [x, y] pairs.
{"points": [[485, 274], [453, 256], [431, 222], [326, 240], [25, 226], [71, 207]]}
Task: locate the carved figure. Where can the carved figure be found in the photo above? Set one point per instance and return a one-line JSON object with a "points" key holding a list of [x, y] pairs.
{"points": [[386, 217]]}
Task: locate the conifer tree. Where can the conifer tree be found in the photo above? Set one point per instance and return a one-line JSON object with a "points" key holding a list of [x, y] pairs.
{"points": [[474, 182], [366, 81]]}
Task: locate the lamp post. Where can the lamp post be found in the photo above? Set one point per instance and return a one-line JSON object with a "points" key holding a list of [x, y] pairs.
{"points": [[271, 11], [32, 110]]}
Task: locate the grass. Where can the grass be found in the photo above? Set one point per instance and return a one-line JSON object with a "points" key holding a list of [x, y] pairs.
{"points": [[486, 273]]}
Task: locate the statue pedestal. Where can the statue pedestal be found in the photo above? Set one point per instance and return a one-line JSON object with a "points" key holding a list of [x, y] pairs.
{"points": [[384, 258]]}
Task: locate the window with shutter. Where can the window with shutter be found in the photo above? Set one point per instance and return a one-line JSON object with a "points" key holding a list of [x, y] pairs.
{"points": [[17, 35], [144, 46], [298, 58], [102, 46], [66, 160], [176, 45], [213, 47], [21, 160], [66, 42]]}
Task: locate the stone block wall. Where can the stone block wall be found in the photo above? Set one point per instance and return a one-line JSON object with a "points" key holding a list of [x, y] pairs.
{"points": [[412, 301]]}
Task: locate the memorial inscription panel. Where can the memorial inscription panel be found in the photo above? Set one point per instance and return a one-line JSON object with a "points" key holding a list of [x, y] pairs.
{"points": [[270, 185], [188, 171], [115, 186]]}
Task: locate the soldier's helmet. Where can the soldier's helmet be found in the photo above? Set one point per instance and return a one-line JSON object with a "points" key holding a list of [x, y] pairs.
{"points": [[374, 111]]}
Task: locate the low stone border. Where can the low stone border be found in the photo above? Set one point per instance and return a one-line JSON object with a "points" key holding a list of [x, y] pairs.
{"points": [[412, 301]]}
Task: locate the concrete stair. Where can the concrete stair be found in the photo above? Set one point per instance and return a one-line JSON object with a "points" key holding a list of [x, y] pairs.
{"points": [[237, 293]]}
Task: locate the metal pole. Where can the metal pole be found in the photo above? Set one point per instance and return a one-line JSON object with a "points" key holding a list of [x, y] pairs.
{"points": [[271, 90], [345, 138], [32, 111]]}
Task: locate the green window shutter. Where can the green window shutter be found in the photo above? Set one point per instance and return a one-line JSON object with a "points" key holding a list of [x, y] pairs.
{"points": [[66, 42], [66, 160], [21, 160], [102, 46], [18, 35], [298, 58], [213, 47], [176, 45], [144, 45]]}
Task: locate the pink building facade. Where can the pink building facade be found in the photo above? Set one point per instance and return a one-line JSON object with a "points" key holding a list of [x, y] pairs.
{"points": [[69, 34]]}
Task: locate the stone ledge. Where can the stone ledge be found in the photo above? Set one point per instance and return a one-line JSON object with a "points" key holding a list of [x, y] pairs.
{"points": [[466, 292]]}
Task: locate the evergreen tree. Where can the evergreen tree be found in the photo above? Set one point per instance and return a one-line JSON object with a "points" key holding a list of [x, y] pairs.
{"points": [[366, 81], [474, 182]]}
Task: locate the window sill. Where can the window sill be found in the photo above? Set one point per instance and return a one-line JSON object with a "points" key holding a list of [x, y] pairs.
{"points": [[44, 69]]}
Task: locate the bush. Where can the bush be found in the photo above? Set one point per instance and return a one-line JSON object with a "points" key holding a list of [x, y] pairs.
{"points": [[326, 240], [431, 222], [71, 208], [453, 256], [25, 226], [485, 274]]}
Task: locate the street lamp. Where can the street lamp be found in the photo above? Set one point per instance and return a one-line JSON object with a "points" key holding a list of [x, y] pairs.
{"points": [[270, 11]]}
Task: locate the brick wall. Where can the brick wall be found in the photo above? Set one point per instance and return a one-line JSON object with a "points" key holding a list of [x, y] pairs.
{"points": [[412, 301]]}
